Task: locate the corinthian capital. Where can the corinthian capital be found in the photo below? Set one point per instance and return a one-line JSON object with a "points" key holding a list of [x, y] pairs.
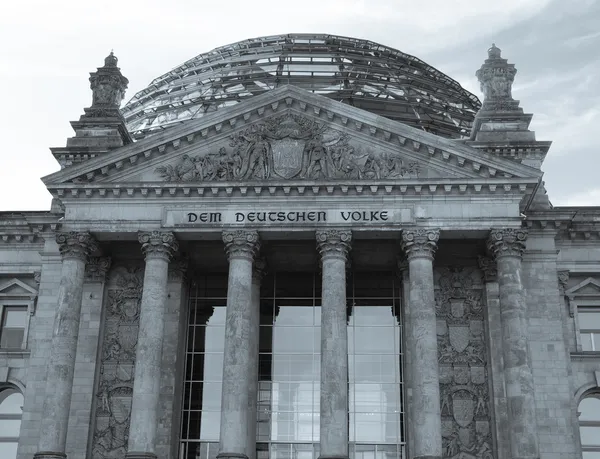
{"points": [[241, 244], [76, 245], [97, 268], [420, 243], [158, 244], [334, 243], [507, 242]]}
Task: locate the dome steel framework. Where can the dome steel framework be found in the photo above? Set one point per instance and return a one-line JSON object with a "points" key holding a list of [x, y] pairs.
{"points": [[357, 72]]}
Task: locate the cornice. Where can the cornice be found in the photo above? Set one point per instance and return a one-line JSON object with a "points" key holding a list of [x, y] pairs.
{"points": [[445, 151], [410, 187], [27, 228]]}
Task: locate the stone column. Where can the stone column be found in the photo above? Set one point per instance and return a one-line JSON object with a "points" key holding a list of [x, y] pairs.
{"points": [[241, 247], [158, 248], [507, 247], [333, 246], [419, 246], [74, 249], [257, 275]]}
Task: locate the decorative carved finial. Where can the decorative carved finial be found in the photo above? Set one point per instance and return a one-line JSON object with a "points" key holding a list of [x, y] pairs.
{"points": [[489, 269], [76, 245], [111, 60], [241, 244], [158, 244], [108, 85], [507, 242], [494, 52], [334, 243], [420, 243], [97, 268], [496, 77]]}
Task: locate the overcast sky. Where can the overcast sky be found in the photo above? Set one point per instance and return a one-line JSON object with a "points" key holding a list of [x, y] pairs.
{"points": [[49, 48]]}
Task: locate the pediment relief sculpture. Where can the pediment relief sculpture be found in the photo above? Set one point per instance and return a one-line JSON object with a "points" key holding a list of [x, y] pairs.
{"points": [[289, 147]]}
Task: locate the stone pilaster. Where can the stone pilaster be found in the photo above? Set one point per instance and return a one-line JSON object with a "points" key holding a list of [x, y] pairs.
{"points": [[242, 247], [258, 273], [75, 249], [334, 246], [507, 247], [419, 246], [158, 248]]}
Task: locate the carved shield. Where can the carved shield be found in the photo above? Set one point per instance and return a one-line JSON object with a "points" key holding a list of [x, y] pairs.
{"points": [[462, 375], [120, 404], [477, 374], [127, 339], [463, 408], [459, 336], [287, 156], [457, 306]]}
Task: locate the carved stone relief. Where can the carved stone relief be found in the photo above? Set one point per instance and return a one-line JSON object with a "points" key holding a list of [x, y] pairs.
{"points": [[464, 389], [115, 387], [289, 147]]}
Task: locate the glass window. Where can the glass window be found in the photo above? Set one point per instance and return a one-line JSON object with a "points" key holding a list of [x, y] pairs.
{"points": [[589, 327], [14, 319], [589, 425], [11, 410]]}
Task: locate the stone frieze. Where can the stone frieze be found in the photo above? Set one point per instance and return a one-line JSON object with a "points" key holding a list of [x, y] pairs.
{"points": [[289, 147]]}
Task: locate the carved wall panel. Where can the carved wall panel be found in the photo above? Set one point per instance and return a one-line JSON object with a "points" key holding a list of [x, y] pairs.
{"points": [[464, 387], [289, 147], [115, 385]]}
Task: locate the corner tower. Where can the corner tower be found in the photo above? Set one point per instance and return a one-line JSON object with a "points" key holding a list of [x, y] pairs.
{"points": [[101, 128]]}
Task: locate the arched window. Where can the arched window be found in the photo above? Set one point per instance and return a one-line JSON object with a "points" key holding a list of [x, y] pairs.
{"points": [[589, 426], [11, 410]]}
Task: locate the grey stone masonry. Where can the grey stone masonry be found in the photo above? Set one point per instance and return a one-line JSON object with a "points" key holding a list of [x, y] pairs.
{"points": [[257, 275], [241, 247], [158, 248], [507, 247], [75, 249], [419, 246], [333, 246]]}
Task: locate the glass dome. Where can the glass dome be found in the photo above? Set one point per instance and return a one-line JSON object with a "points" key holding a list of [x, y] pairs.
{"points": [[360, 73]]}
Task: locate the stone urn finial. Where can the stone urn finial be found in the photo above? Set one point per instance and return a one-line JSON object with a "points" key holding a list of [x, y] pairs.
{"points": [[108, 85], [494, 52]]}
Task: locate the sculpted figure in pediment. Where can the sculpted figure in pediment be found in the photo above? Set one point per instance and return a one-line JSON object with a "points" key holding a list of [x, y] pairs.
{"points": [[288, 147]]}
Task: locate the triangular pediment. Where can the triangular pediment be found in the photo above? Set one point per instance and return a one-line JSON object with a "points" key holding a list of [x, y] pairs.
{"points": [[291, 135], [586, 288], [14, 288]]}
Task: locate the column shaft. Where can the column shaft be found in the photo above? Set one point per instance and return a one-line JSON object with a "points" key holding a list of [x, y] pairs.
{"points": [[241, 247], [507, 246], [419, 246], [257, 275], [75, 248], [333, 246], [158, 248]]}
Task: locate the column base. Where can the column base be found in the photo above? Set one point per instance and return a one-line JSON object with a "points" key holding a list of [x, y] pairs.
{"points": [[226, 455], [140, 455], [49, 455], [427, 457], [332, 456]]}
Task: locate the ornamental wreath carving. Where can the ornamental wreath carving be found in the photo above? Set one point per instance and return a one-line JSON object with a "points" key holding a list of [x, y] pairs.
{"points": [[115, 387], [464, 390], [289, 147]]}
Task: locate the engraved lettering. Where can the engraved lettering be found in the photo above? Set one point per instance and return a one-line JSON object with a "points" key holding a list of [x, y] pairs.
{"points": [[215, 217], [384, 215], [345, 216], [322, 217], [192, 217], [239, 217]]}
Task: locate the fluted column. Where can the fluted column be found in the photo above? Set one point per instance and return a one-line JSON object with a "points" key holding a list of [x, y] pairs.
{"points": [[241, 247], [75, 249], [507, 247], [158, 248], [419, 246], [334, 246], [257, 275]]}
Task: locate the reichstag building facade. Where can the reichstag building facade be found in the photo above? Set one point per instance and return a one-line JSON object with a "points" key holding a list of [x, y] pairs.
{"points": [[301, 247]]}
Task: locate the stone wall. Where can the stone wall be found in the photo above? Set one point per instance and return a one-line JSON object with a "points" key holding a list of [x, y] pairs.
{"points": [[549, 356]]}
